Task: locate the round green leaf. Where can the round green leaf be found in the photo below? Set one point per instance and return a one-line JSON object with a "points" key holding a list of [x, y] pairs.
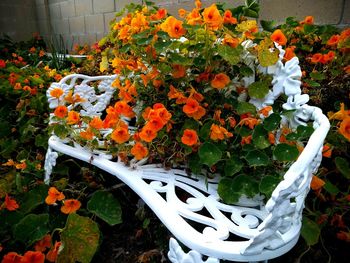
{"points": [[245, 107], [33, 198], [104, 205], [31, 228], [285, 152], [232, 166], [258, 89], [272, 122], [260, 137], [310, 231], [268, 184], [231, 189], [209, 154], [80, 239], [256, 158]]}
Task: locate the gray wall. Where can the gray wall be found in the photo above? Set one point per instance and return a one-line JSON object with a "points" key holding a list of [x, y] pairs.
{"points": [[86, 21]]}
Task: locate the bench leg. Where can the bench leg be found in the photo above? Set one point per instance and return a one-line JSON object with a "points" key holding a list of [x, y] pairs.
{"points": [[177, 255], [50, 162]]}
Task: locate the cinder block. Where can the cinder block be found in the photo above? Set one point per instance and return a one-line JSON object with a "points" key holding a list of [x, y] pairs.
{"points": [[108, 18], [83, 7], [60, 26], [346, 13], [87, 39], [39, 2], [68, 9], [102, 6], [43, 27], [55, 11], [324, 11], [94, 23], [77, 25]]}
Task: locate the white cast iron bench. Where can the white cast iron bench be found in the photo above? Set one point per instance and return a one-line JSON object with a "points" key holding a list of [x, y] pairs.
{"points": [[265, 230]]}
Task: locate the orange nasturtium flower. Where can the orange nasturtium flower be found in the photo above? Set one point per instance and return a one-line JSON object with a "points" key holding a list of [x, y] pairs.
{"points": [[339, 115], [212, 17], [61, 111], [139, 151], [334, 40], [228, 18], [52, 254], [230, 41], [147, 134], [70, 206], [189, 137], [96, 123], [246, 140], [309, 20], [56, 93], [10, 203], [220, 81], [120, 134], [316, 58], [316, 183], [327, 151], [173, 27], [33, 256], [249, 121], [191, 106], [43, 243], [12, 257], [179, 71], [344, 128], [87, 134], [265, 111], [219, 133], [73, 117], [53, 196], [122, 108], [278, 37], [289, 53]]}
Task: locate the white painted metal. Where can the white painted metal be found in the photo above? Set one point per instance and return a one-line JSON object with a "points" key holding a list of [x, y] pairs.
{"points": [[268, 231]]}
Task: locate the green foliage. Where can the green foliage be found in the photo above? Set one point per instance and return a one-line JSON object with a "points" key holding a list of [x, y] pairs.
{"points": [[310, 231]]}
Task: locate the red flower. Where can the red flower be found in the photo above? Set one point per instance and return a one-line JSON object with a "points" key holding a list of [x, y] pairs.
{"points": [[33, 257], [2, 63]]}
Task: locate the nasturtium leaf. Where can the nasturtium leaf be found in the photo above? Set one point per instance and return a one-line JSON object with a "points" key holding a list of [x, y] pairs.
{"points": [[267, 25], [331, 188], [9, 219], [232, 166], [60, 130], [5, 187], [41, 140], [209, 154], [204, 132], [304, 132], [194, 163], [231, 189], [246, 71], [104, 205], [258, 89], [317, 75], [31, 228], [343, 166], [80, 239], [230, 54], [163, 35], [145, 41], [285, 152], [268, 184], [161, 46], [181, 60], [312, 83], [104, 63], [272, 122], [5, 129], [245, 107], [125, 48], [257, 158], [310, 231], [141, 35], [266, 56], [33, 198], [260, 137]]}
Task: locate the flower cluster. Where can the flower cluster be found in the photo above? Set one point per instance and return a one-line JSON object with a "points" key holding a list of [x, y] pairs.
{"points": [[69, 205], [181, 82]]}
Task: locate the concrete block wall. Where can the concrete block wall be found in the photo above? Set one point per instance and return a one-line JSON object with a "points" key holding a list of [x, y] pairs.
{"points": [[18, 19], [86, 21]]}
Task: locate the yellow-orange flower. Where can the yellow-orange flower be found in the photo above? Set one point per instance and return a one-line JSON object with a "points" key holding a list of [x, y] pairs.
{"points": [[70, 206], [230, 41], [278, 37], [189, 137], [191, 106], [61, 111], [73, 117], [289, 53], [122, 108], [173, 27], [265, 111], [176, 94], [87, 134], [120, 135], [212, 17], [249, 121], [156, 124], [309, 20], [56, 93], [194, 17], [139, 151], [219, 133], [53, 196], [339, 115], [344, 128], [246, 140], [220, 81], [228, 18]]}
